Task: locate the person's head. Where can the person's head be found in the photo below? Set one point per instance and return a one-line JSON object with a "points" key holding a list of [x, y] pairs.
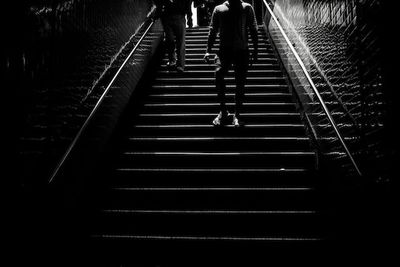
{"points": [[234, 2]]}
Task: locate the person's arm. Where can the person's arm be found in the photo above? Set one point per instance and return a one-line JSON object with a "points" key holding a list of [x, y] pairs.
{"points": [[214, 27], [252, 22], [189, 13]]}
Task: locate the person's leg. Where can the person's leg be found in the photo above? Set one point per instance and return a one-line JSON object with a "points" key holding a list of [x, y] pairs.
{"points": [[241, 67], [180, 33], [169, 39], [222, 63]]}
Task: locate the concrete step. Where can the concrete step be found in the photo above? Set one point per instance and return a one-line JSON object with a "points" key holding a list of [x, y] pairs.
{"points": [[217, 159]]}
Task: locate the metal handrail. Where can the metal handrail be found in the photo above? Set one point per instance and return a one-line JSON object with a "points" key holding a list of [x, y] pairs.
{"points": [[325, 108], [101, 99]]}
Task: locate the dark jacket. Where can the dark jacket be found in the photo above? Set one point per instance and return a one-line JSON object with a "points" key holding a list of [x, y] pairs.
{"points": [[174, 7], [233, 25]]}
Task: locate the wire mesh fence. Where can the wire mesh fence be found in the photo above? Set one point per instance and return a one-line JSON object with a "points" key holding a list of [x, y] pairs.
{"points": [[57, 63], [339, 44]]}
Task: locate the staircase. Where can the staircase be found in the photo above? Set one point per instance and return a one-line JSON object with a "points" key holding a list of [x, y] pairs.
{"points": [[180, 187]]}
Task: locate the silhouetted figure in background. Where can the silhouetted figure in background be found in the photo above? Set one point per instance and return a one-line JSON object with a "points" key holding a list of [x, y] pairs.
{"points": [[204, 10], [173, 14], [232, 20]]}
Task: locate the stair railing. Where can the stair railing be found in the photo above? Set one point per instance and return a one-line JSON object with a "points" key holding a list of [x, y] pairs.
{"points": [[94, 111], [312, 85]]}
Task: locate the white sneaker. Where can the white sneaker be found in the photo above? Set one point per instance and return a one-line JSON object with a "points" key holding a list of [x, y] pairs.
{"points": [[236, 122], [221, 118]]}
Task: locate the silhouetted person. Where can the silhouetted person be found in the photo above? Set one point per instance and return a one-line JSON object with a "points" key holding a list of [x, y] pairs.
{"points": [[232, 19], [204, 10], [173, 14]]}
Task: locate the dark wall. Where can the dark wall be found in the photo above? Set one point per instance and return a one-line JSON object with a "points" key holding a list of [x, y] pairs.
{"points": [[57, 53], [390, 70]]}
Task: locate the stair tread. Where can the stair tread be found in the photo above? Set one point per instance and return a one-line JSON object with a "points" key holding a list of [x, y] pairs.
{"points": [[217, 104], [208, 222], [258, 114], [207, 94], [273, 170], [212, 78], [203, 88], [212, 126], [253, 65], [201, 138], [183, 153], [163, 71], [133, 211], [209, 238], [213, 189]]}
